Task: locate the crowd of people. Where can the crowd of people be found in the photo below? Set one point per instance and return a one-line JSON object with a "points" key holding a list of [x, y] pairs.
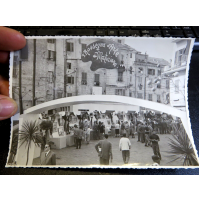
{"points": [[145, 129]]}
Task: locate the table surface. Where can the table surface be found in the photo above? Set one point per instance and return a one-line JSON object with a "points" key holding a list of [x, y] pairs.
{"points": [[193, 100]]}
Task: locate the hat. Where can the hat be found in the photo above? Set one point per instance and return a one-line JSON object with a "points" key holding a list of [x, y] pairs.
{"points": [[86, 120]]}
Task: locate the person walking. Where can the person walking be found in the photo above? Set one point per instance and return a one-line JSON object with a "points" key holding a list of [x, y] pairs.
{"points": [[117, 129], [122, 128], [101, 130], [125, 146], [126, 125], [141, 132], [95, 131], [78, 133], [104, 150], [113, 129], [148, 132], [85, 128], [155, 146], [132, 129]]}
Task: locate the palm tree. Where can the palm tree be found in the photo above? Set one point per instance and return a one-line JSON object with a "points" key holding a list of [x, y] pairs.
{"points": [[182, 147], [30, 133]]}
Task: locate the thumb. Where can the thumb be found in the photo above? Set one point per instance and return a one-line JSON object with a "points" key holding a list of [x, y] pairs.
{"points": [[8, 107]]}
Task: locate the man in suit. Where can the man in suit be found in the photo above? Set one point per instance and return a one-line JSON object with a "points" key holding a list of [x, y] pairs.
{"points": [[78, 134], [47, 156], [104, 149]]}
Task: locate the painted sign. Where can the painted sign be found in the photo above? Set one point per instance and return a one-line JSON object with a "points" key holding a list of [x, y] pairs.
{"points": [[102, 54]]}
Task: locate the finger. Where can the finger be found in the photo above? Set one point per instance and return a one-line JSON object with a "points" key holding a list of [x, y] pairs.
{"points": [[11, 40], [4, 86], [4, 57], [8, 107]]}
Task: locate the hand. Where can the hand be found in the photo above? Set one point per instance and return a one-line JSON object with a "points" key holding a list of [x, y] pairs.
{"points": [[10, 40]]}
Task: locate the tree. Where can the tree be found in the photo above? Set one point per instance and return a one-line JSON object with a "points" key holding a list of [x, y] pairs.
{"points": [[30, 133], [182, 147]]}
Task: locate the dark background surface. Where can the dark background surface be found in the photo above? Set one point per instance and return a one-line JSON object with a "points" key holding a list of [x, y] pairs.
{"points": [[193, 100]]}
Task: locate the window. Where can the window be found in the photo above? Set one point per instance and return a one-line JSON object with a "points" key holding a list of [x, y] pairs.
{"points": [[120, 77], [130, 78], [96, 81], [140, 95], [69, 95], [69, 47], [177, 86], [51, 55], [150, 97], [70, 80], [68, 65], [150, 83], [119, 41], [67, 108], [159, 72], [180, 57], [140, 86], [59, 94], [131, 69], [159, 85], [130, 94], [51, 40], [131, 55], [151, 71], [158, 98], [83, 47], [84, 78], [140, 79], [120, 92], [167, 84], [50, 76]]}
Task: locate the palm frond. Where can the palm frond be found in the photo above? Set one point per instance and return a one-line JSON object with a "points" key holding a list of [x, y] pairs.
{"points": [[28, 134], [181, 147]]}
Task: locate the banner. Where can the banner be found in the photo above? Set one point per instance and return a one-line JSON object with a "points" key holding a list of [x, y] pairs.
{"points": [[102, 54]]}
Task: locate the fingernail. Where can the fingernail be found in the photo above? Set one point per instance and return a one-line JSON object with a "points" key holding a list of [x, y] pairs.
{"points": [[7, 107]]}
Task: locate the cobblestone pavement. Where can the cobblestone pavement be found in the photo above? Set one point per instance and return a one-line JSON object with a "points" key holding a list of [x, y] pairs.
{"points": [[139, 154]]}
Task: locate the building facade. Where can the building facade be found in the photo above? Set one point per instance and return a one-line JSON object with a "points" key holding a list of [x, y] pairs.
{"points": [[149, 84], [53, 68], [176, 73]]}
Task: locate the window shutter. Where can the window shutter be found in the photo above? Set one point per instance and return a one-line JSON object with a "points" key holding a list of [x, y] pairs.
{"points": [[54, 55], [66, 79], [72, 80], [48, 56]]}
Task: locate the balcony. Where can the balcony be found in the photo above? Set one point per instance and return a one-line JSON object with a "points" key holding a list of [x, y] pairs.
{"points": [[84, 82], [96, 83]]}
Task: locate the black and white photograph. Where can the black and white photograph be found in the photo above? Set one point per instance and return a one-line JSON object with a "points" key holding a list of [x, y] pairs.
{"points": [[100, 133], [101, 102]]}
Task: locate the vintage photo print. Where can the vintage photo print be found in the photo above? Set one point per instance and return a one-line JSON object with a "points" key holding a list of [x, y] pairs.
{"points": [[101, 101]]}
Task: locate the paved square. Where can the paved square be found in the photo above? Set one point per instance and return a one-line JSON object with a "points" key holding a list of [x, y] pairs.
{"points": [[139, 154]]}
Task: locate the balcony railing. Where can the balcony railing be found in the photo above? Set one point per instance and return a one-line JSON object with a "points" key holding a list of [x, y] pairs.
{"points": [[96, 83]]}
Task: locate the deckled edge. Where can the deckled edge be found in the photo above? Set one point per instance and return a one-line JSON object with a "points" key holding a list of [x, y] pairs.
{"points": [[107, 167]]}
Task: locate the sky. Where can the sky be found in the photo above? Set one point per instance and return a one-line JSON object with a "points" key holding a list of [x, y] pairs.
{"points": [[155, 47]]}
